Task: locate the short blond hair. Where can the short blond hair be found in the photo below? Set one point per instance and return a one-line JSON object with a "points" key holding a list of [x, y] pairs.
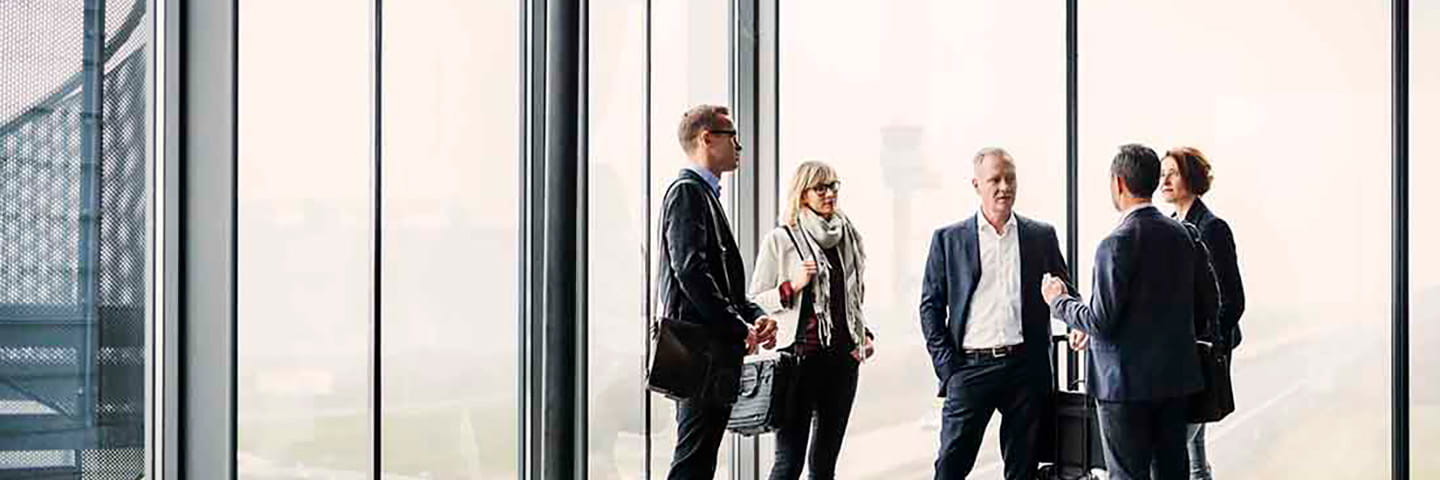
{"points": [[698, 119], [808, 175]]}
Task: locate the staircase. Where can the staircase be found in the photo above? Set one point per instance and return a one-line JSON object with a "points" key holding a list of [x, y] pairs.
{"points": [[74, 289]]}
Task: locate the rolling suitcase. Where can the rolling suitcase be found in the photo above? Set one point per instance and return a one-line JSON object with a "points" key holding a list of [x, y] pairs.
{"points": [[1070, 431]]}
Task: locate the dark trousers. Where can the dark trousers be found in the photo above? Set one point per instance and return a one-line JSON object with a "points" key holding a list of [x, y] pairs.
{"points": [[701, 428], [972, 394], [825, 393], [1144, 440]]}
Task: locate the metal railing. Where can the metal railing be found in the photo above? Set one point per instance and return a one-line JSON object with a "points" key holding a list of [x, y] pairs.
{"points": [[73, 254]]}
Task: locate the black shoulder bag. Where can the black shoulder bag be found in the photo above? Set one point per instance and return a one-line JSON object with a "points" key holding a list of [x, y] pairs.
{"points": [[1218, 398]]}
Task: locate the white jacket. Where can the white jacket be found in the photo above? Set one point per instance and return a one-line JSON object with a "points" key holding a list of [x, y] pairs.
{"points": [[776, 263]]}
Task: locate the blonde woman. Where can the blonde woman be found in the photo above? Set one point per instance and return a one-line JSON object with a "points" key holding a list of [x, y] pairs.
{"points": [[810, 277]]}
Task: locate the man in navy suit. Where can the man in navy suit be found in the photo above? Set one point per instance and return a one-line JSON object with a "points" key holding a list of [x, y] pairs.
{"points": [[1140, 328], [987, 327]]}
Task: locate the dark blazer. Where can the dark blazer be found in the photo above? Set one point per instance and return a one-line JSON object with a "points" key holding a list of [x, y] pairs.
{"points": [[1221, 242], [702, 277], [1140, 318], [952, 272]]}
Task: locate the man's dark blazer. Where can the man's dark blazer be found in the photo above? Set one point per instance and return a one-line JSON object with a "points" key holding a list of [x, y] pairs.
{"points": [[1140, 318], [702, 277], [1221, 243], [952, 272]]}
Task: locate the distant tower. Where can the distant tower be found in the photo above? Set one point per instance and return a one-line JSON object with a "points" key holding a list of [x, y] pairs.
{"points": [[904, 174]]}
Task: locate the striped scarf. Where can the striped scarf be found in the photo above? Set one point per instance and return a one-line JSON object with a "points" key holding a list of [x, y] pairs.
{"points": [[820, 234]]}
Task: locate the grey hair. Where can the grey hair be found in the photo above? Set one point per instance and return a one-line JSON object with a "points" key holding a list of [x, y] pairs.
{"points": [[993, 151]]}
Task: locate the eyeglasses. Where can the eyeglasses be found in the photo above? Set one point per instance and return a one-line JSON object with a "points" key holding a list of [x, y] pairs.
{"points": [[825, 188], [734, 139]]}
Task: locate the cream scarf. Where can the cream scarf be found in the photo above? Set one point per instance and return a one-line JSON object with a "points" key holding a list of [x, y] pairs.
{"points": [[819, 234]]}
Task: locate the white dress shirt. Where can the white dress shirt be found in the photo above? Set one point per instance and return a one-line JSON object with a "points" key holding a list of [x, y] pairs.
{"points": [[995, 306]]}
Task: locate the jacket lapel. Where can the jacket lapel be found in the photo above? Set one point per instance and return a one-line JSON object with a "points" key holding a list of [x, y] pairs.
{"points": [[1022, 228], [1198, 212], [1031, 254], [726, 240], [971, 243]]}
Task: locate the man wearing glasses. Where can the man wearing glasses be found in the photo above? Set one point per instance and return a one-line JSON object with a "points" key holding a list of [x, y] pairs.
{"points": [[702, 281]]}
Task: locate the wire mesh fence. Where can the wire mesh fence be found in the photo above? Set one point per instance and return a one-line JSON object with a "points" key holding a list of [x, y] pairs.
{"points": [[73, 285]]}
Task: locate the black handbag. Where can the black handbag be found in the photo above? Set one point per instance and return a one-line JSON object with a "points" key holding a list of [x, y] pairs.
{"points": [[1218, 398], [685, 361], [679, 361], [767, 387]]}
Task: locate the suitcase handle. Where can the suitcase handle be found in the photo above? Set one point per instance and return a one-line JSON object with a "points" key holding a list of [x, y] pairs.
{"points": [[1073, 381]]}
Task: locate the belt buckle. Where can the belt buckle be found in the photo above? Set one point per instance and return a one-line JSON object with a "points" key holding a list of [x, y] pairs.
{"points": [[999, 352]]}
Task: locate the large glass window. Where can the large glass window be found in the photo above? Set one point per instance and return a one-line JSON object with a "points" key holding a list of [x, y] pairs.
{"points": [[617, 282], [75, 238], [900, 109], [1424, 235], [1291, 105], [451, 200], [304, 237], [690, 65]]}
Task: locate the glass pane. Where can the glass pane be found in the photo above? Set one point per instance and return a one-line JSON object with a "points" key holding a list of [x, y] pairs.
{"points": [[451, 202], [1291, 106], [900, 111], [1424, 235], [690, 62], [617, 233], [304, 239], [74, 280]]}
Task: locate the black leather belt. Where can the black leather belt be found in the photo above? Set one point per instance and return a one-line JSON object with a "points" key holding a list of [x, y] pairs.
{"points": [[995, 352]]}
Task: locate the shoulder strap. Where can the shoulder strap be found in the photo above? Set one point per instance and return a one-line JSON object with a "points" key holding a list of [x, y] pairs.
{"points": [[715, 229], [797, 244]]}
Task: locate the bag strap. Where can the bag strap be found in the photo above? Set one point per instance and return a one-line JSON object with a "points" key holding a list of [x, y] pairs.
{"points": [[797, 249], [715, 228], [797, 245], [1205, 271]]}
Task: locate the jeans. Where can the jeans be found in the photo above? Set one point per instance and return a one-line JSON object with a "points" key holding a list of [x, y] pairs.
{"points": [[701, 428], [1199, 464], [825, 394]]}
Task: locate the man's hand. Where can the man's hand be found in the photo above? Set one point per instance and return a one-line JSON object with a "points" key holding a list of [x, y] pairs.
{"points": [[1078, 340], [1051, 288], [764, 332], [806, 274]]}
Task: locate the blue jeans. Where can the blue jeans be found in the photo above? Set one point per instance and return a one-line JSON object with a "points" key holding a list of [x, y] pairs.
{"points": [[826, 392], [1199, 465], [700, 429]]}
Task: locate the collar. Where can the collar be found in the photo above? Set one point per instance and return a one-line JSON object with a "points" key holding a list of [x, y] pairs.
{"points": [[984, 224], [1197, 208], [1136, 208], [710, 178]]}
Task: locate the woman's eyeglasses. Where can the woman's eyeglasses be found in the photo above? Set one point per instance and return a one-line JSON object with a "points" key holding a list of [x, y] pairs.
{"points": [[825, 188]]}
